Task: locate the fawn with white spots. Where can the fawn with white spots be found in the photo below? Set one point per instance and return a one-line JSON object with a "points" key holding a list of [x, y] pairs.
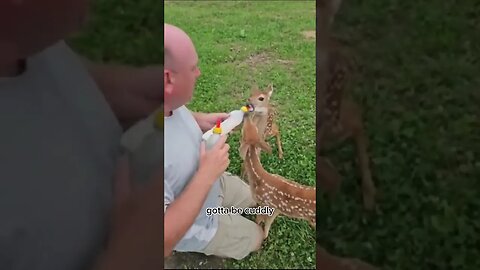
{"points": [[264, 116], [285, 196], [339, 117]]}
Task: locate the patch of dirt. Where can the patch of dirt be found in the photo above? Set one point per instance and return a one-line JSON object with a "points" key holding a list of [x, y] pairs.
{"points": [[257, 59], [263, 59], [309, 34], [192, 260]]}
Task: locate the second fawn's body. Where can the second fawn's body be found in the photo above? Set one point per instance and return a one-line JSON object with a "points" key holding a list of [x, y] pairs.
{"points": [[285, 196], [339, 117]]}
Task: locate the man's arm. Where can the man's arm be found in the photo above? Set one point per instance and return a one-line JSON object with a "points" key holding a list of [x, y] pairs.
{"points": [[198, 116], [132, 92], [181, 214]]}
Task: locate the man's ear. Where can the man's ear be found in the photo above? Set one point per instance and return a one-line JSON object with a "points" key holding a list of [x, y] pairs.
{"points": [[168, 80]]}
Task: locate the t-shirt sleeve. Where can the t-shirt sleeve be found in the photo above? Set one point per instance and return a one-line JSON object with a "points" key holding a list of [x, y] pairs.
{"points": [[168, 195]]}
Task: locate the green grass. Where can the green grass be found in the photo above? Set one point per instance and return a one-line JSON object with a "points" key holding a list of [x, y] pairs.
{"points": [[226, 35], [122, 31], [418, 83]]}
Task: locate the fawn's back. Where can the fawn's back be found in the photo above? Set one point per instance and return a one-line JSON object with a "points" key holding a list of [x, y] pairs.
{"points": [[288, 197]]}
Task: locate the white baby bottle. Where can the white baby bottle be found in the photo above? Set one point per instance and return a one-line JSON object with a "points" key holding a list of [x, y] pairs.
{"points": [[235, 118]]}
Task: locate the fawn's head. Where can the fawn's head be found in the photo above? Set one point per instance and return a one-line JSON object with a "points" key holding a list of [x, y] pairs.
{"points": [[250, 137], [260, 99]]}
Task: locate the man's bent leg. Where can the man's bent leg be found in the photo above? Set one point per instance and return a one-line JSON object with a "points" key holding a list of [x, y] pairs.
{"points": [[236, 238], [236, 192]]}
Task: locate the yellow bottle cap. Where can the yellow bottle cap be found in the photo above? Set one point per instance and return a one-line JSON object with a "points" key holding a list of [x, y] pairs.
{"points": [[217, 129], [244, 109]]}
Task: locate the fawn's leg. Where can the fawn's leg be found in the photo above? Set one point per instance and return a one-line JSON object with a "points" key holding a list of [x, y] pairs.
{"points": [[268, 222], [368, 187], [259, 219], [313, 222], [328, 178], [276, 133], [352, 120]]}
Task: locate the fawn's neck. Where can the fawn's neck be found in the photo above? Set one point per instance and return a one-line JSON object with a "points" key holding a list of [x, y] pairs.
{"points": [[260, 120], [260, 175], [253, 162]]}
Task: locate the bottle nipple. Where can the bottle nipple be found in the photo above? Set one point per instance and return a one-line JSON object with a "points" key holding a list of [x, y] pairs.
{"points": [[247, 108], [217, 129]]}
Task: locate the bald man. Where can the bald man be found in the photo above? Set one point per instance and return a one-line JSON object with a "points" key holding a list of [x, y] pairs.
{"points": [[61, 119], [195, 179]]}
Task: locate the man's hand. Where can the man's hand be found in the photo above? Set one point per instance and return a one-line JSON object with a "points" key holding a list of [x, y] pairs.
{"points": [[215, 161], [206, 121], [132, 93]]}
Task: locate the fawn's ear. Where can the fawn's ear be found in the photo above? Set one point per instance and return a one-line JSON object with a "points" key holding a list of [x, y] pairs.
{"points": [[264, 145], [254, 88], [270, 90], [243, 150]]}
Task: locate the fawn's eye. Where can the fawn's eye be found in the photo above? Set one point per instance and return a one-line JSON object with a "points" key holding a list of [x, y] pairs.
{"points": [[261, 98]]}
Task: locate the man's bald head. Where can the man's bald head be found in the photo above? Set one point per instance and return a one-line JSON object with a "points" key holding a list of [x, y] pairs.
{"points": [[181, 67], [178, 47]]}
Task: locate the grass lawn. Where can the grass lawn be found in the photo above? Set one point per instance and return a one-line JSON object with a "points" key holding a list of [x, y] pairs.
{"points": [[238, 44], [418, 83]]}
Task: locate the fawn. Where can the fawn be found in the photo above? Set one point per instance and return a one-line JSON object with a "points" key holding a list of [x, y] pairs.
{"points": [[339, 117], [264, 116], [286, 197]]}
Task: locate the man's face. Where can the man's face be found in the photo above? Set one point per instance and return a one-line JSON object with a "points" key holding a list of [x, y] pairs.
{"points": [[185, 74], [29, 26], [187, 79]]}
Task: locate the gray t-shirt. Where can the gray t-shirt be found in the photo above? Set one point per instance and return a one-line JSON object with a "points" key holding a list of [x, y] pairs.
{"points": [[182, 152], [58, 144]]}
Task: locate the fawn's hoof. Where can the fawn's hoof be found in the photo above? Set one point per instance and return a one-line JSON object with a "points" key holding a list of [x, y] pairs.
{"points": [[265, 235], [259, 219]]}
